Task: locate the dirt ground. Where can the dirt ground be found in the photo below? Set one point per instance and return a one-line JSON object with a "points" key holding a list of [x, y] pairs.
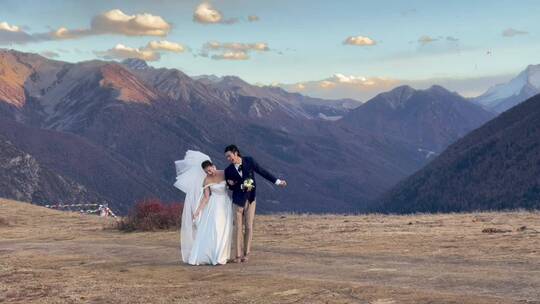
{"points": [[56, 257]]}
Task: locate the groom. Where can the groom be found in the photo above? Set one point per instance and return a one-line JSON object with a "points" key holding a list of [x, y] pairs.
{"points": [[243, 168]]}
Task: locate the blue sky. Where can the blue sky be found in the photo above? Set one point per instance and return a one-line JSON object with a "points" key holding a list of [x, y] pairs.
{"points": [[414, 41]]}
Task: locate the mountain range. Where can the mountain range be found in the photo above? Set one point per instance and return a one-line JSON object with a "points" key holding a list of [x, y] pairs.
{"points": [[116, 129], [428, 119], [495, 167]]}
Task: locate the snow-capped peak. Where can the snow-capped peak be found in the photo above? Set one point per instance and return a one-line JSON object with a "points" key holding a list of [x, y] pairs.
{"points": [[529, 77], [533, 73]]}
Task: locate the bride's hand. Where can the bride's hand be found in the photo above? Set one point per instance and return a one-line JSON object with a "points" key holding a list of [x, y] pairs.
{"points": [[194, 216]]}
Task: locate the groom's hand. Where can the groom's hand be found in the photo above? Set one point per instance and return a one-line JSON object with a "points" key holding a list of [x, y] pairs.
{"points": [[283, 184], [230, 182]]}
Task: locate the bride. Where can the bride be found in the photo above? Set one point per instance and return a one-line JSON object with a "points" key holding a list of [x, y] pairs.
{"points": [[207, 218]]}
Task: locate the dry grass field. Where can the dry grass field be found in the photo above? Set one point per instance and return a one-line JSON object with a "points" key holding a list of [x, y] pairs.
{"points": [[53, 257]]}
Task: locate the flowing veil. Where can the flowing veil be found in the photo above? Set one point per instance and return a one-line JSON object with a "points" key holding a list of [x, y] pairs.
{"points": [[189, 178]]}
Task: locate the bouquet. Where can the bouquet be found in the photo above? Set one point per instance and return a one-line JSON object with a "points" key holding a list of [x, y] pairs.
{"points": [[247, 185]]}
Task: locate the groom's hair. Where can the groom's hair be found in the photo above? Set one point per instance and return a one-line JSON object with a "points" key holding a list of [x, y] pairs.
{"points": [[232, 149], [205, 164]]}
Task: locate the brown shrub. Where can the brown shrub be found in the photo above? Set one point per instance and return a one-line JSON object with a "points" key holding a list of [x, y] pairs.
{"points": [[152, 215]]}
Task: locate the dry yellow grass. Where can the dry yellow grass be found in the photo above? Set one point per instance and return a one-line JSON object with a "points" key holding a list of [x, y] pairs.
{"points": [[53, 257]]}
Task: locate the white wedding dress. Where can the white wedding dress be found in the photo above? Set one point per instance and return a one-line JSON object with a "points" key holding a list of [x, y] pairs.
{"points": [[212, 244], [208, 239]]}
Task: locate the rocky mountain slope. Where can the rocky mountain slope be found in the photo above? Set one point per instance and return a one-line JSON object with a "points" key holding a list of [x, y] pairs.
{"points": [[23, 177], [495, 167]]}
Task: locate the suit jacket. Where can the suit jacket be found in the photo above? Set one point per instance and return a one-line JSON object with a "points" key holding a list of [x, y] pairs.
{"points": [[249, 168]]}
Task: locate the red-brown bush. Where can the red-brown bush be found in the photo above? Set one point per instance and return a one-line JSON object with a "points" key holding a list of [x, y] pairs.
{"points": [[152, 215]]}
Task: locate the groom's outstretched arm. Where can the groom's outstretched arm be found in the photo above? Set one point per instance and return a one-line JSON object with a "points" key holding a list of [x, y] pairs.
{"points": [[263, 172]]}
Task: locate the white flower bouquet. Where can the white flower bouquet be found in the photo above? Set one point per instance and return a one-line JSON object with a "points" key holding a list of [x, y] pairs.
{"points": [[248, 184]]}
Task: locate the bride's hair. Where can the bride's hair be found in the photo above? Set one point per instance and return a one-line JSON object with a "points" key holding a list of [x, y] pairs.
{"points": [[205, 164]]}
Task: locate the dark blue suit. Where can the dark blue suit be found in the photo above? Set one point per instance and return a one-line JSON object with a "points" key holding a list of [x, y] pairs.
{"points": [[249, 167]]}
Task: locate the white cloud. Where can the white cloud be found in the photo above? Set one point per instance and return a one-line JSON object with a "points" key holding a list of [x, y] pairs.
{"points": [[64, 33], [236, 46], [164, 45], [359, 41], [348, 79], [117, 22], [510, 32], [363, 88], [342, 80], [423, 40], [4, 26], [151, 52], [206, 14], [12, 34], [231, 56], [260, 46], [232, 50], [111, 22], [325, 84], [121, 51], [343, 86], [437, 45]]}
